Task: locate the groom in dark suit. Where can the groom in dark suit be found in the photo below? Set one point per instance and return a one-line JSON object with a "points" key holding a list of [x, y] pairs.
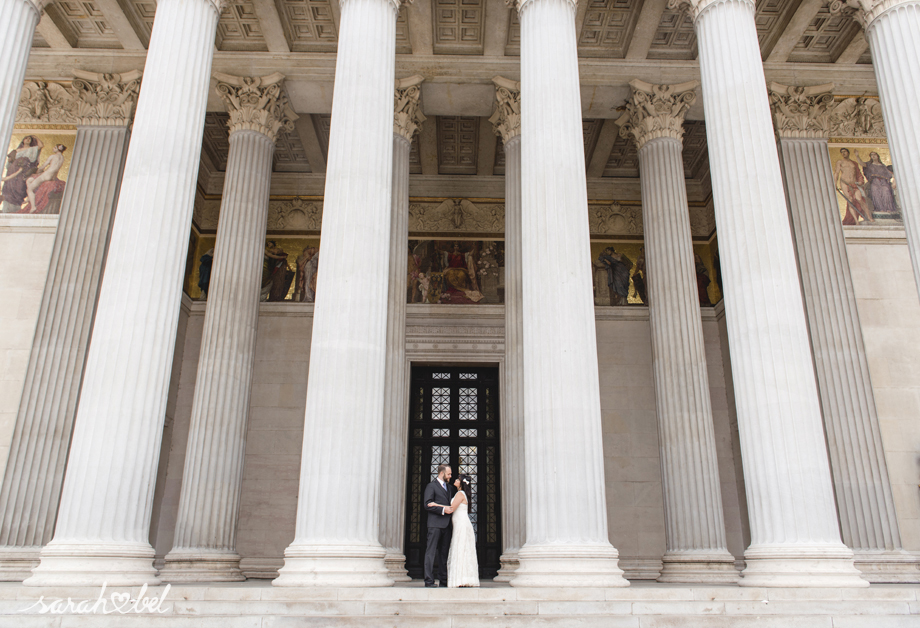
{"points": [[439, 528]]}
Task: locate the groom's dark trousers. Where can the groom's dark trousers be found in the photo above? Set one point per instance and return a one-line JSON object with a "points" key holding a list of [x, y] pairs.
{"points": [[439, 531]]}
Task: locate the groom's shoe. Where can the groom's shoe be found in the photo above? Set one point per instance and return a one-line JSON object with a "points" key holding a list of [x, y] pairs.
{"points": [[433, 584]]}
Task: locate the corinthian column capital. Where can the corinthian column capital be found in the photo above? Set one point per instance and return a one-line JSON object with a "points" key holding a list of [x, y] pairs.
{"points": [[656, 111], [801, 111], [696, 6], [39, 4], [90, 99], [507, 117], [864, 11], [407, 110], [256, 103]]}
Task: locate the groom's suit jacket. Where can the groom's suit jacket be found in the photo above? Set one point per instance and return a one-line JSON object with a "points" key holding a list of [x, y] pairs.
{"points": [[434, 492]]}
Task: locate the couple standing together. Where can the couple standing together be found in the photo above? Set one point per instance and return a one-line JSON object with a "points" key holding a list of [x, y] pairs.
{"points": [[450, 533]]}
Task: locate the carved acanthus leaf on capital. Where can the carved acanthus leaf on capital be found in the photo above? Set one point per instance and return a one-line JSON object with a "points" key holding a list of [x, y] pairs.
{"points": [[506, 121], [407, 110], [256, 103], [801, 111], [863, 11], [90, 99], [656, 111]]}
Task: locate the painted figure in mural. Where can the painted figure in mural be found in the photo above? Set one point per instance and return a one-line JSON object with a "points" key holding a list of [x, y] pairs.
{"points": [[460, 275], [879, 182], [702, 280], [850, 182], [204, 273], [276, 276], [717, 269], [20, 165], [617, 267], [44, 189], [307, 265], [639, 276]]}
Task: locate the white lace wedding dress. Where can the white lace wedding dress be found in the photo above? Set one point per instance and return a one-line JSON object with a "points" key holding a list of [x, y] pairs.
{"points": [[462, 564]]}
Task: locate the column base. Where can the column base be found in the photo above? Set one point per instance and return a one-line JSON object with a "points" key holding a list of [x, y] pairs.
{"points": [[510, 563], [699, 567], [896, 566], [396, 567], [829, 566], [333, 566], [189, 565], [94, 564], [568, 566], [17, 563]]}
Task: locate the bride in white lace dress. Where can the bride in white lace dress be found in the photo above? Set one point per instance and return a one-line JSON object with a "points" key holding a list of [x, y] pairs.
{"points": [[462, 564]]}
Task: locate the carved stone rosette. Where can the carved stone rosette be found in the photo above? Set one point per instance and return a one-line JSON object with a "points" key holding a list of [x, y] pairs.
{"points": [[91, 99], [656, 111], [256, 103], [507, 117], [407, 110], [801, 111]]}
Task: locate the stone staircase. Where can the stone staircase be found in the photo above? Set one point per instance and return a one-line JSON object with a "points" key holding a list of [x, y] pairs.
{"points": [[644, 605]]}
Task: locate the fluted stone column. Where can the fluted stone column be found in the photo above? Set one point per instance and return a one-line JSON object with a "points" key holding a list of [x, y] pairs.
{"points": [[337, 541], [31, 486], [104, 516], [407, 121], [892, 28], [507, 123], [204, 546], [795, 539], [18, 19], [694, 521], [567, 543], [865, 505]]}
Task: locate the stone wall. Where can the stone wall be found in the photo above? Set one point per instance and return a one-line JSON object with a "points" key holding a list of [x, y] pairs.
{"points": [[889, 312], [25, 251]]}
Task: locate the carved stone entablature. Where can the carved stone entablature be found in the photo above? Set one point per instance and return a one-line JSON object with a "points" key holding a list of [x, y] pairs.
{"points": [[702, 221], [456, 216], [407, 110], [256, 103], [656, 111], [863, 11], [90, 99], [801, 111], [206, 213], [857, 117], [506, 121], [615, 219], [296, 214]]}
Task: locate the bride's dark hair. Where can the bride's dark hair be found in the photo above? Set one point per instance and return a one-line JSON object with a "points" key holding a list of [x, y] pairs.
{"points": [[466, 487]]}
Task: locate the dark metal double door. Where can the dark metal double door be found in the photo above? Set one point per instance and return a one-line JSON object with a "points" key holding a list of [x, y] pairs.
{"points": [[453, 419]]}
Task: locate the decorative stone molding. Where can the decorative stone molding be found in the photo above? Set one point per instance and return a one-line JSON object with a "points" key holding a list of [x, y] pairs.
{"points": [[702, 220], [90, 99], [863, 11], [456, 216], [695, 7], [656, 111], [857, 117], [506, 121], [615, 219], [407, 110], [295, 215], [801, 111], [396, 4], [520, 5], [256, 103]]}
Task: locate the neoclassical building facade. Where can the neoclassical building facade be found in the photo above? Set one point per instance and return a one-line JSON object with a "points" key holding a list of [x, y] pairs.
{"points": [[646, 271]]}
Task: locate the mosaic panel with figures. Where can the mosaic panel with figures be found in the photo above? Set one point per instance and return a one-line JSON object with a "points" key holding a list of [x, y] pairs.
{"points": [[35, 173], [864, 179], [456, 271]]}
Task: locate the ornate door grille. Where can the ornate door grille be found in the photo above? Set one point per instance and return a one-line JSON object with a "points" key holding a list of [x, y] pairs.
{"points": [[453, 419]]}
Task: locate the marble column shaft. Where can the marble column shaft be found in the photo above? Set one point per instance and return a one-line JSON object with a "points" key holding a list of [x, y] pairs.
{"points": [[865, 503], [507, 123], [337, 543], [104, 517], [892, 28], [795, 540], [566, 510], [19, 19], [204, 546], [694, 521], [31, 487]]}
